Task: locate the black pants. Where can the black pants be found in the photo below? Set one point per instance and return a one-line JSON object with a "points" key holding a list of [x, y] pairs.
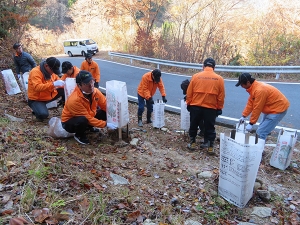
{"points": [[39, 108], [80, 124], [209, 119]]}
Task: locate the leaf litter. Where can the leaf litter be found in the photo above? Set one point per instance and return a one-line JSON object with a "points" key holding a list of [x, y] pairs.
{"points": [[58, 181]]}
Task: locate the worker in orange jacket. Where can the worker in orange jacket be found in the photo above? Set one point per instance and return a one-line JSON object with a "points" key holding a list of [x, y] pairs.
{"points": [[205, 101], [44, 86], [266, 99], [89, 65], [68, 70], [146, 89], [85, 109]]}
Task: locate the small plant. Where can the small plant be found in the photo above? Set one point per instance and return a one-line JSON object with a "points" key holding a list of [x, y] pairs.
{"points": [[27, 198], [58, 204], [40, 173]]}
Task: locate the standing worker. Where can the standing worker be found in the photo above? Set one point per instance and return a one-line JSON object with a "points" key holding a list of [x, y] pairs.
{"points": [[146, 89], [23, 60], [89, 65], [205, 101], [266, 99]]}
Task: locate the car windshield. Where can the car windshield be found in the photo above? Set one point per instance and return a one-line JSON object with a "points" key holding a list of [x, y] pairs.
{"points": [[90, 42]]}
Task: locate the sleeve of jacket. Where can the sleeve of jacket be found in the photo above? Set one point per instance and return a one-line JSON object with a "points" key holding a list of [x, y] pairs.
{"points": [[161, 88], [189, 92], [64, 77], [17, 65], [102, 101], [255, 105], [77, 109], [221, 96], [97, 72], [82, 67], [31, 61], [145, 87], [38, 85]]}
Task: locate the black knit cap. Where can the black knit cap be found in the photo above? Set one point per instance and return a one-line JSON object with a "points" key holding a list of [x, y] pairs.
{"points": [[16, 45], [209, 62], [54, 64]]}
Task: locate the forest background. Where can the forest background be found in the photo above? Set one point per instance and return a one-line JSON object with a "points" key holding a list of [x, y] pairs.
{"points": [[233, 32]]}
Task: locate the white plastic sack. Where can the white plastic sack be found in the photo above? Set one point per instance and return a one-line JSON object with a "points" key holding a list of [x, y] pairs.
{"points": [[158, 114], [23, 79], [70, 84], [184, 117], [56, 130], [282, 154], [240, 156], [117, 103], [11, 85]]}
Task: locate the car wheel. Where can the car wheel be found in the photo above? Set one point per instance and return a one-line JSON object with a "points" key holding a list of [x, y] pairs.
{"points": [[83, 53], [70, 54]]}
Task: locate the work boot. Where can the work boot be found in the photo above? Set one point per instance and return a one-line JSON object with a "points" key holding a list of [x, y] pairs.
{"points": [[149, 118], [204, 145], [209, 146], [192, 145], [140, 122]]}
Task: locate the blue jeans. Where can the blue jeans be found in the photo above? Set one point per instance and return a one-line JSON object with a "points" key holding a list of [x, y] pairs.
{"points": [[268, 123], [141, 102]]}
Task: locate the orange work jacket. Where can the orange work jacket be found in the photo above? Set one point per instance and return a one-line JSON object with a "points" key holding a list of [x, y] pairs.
{"points": [[206, 89], [78, 105], [147, 86], [93, 68], [264, 98], [40, 89]]}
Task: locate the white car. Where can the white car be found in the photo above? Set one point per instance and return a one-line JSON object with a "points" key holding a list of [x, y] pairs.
{"points": [[80, 47]]}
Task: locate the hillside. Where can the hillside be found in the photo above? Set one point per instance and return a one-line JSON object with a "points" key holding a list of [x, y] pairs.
{"points": [[58, 181]]}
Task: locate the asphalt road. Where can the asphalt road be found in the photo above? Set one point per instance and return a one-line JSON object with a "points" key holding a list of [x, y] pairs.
{"points": [[235, 100]]}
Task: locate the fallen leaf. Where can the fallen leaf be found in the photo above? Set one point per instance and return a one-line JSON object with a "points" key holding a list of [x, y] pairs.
{"points": [[133, 216], [124, 157], [98, 187], [84, 204], [17, 221], [10, 163]]}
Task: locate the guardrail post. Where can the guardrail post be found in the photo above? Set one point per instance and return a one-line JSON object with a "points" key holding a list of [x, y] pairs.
{"points": [[130, 61], [277, 76], [157, 66]]}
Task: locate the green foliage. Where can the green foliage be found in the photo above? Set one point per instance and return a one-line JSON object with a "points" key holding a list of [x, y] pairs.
{"points": [[70, 3], [39, 173], [58, 203], [7, 21]]}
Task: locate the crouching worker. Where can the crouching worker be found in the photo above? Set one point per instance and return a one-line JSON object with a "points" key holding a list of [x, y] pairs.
{"points": [[44, 86], [85, 109]]}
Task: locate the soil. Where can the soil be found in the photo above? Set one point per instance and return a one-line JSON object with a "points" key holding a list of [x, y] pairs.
{"points": [[45, 180]]}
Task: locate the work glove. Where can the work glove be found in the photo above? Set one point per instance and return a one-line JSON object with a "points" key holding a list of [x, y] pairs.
{"points": [[184, 98], [219, 112], [58, 83], [164, 99], [111, 126], [19, 76], [150, 101], [188, 107], [249, 127], [242, 119]]}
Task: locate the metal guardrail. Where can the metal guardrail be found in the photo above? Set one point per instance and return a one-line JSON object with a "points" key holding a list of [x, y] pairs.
{"points": [[249, 69]]}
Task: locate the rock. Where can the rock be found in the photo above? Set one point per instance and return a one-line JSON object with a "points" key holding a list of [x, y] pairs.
{"points": [[174, 201], [134, 141], [261, 212], [205, 174], [148, 222], [292, 207], [264, 195], [246, 223], [192, 222], [118, 179], [164, 129]]}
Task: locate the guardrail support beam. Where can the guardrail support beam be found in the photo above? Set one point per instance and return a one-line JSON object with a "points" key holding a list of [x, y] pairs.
{"points": [[277, 76]]}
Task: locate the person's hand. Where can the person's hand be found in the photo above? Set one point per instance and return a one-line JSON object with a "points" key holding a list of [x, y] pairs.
{"points": [[219, 112], [188, 107], [58, 83], [111, 126], [184, 98], [164, 99], [150, 101], [249, 127], [242, 119]]}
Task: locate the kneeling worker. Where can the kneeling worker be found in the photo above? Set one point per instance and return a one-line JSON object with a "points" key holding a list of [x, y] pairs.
{"points": [[85, 109]]}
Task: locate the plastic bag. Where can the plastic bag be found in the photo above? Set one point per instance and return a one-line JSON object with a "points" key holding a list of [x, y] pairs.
{"points": [[56, 130], [158, 114]]}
